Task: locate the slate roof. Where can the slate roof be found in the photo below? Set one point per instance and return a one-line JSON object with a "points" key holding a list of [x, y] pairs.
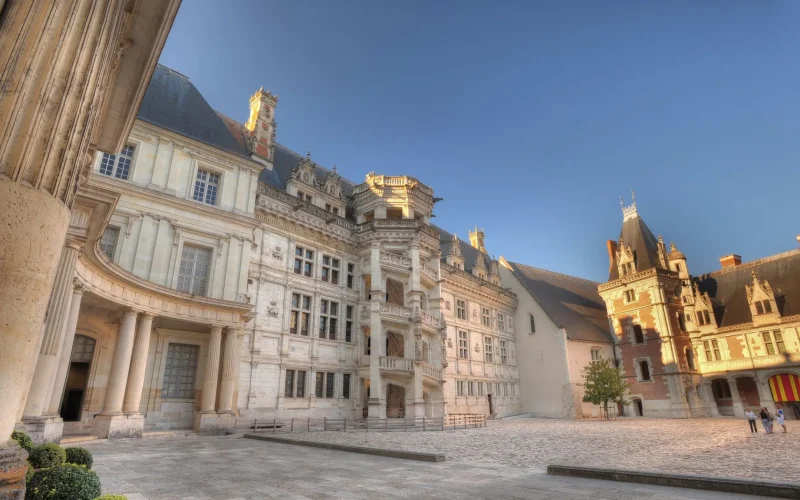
{"points": [[571, 303], [726, 287], [172, 102], [468, 251], [285, 160], [645, 246]]}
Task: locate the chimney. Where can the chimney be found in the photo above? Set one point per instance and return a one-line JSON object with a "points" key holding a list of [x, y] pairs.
{"points": [[261, 125], [612, 253], [731, 260]]}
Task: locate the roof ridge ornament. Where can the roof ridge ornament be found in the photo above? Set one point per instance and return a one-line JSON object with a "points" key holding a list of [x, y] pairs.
{"points": [[629, 212]]}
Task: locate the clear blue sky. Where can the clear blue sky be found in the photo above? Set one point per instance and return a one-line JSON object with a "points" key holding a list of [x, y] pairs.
{"points": [[531, 118]]}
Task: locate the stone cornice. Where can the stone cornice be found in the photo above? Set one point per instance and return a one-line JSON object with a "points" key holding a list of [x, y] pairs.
{"points": [[125, 187], [457, 277], [748, 327], [626, 280]]}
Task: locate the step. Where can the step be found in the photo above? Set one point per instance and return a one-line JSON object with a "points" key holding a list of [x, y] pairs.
{"points": [[77, 439]]}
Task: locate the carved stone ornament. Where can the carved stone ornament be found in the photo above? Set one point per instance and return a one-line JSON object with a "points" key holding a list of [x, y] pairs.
{"points": [[447, 304], [450, 343], [477, 348], [365, 312], [277, 253], [418, 350], [272, 310]]}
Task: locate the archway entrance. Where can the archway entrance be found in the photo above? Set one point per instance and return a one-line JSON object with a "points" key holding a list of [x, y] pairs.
{"points": [[748, 393], [722, 396], [395, 401], [785, 390], [638, 410], [77, 378], [395, 345]]}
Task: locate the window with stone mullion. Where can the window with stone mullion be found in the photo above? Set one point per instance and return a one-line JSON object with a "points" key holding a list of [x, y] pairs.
{"points": [[503, 353], [330, 270], [304, 262], [348, 324], [108, 242], [118, 165], [193, 269], [488, 351], [300, 315], [206, 185], [463, 345], [328, 319]]}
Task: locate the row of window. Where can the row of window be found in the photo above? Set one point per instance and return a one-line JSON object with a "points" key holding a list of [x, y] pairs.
{"points": [[503, 321], [206, 183], [324, 385], [331, 268], [300, 318], [480, 388], [773, 341], [488, 348]]}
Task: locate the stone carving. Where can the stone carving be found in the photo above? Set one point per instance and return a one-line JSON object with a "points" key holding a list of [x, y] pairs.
{"points": [[450, 343], [447, 304], [272, 310], [477, 347], [393, 258], [365, 312], [277, 253], [418, 350]]}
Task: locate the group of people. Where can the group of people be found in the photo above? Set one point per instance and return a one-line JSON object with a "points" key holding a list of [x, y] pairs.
{"points": [[766, 419]]}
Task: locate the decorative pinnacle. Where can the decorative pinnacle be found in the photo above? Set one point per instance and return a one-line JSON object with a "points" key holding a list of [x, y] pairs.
{"points": [[308, 155]]}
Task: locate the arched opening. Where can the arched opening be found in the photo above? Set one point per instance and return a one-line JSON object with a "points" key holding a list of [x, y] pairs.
{"points": [[748, 392], [394, 292], [395, 345], [77, 378], [638, 409], [722, 396], [395, 401], [785, 389]]}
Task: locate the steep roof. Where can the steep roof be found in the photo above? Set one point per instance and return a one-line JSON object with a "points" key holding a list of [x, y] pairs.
{"points": [[726, 287], [469, 252], [638, 236], [172, 102], [571, 303], [285, 160]]}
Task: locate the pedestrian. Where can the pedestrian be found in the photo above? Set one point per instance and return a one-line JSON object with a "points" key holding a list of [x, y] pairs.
{"points": [[781, 418], [765, 417], [751, 419]]}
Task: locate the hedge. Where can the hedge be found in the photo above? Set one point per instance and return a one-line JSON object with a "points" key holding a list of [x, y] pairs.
{"points": [[79, 456], [47, 455], [64, 482]]}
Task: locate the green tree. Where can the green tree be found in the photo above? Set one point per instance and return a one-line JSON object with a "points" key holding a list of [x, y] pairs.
{"points": [[604, 384]]}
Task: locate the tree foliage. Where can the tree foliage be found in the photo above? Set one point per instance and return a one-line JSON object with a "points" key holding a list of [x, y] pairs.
{"points": [[603, 384]]}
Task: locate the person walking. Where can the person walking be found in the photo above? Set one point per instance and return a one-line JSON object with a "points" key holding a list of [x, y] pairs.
{"points": [[781, 418], [751, 419], [765, 418]]}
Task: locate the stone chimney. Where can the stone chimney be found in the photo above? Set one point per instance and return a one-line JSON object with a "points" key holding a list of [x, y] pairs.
{"points": [[611, 245], [476, 239], [261, 125], [731, 260]]}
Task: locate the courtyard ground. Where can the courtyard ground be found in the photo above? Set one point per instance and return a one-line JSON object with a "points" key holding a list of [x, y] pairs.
{"points": [[504, 460]]}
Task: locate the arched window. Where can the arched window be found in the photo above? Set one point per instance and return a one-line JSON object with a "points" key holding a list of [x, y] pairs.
{"points": [[644, 370], [689, 358], [638, 335]]}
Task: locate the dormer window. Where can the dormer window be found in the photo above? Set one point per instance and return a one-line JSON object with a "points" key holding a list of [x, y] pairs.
{"points": [[305, 196], [331, 209], [763, 307], [394, 213], [703, 318], [118, 165], [627, 268], [630, 296]]}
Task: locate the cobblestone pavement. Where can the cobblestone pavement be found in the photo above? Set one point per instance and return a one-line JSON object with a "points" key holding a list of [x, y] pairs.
{"points": [[721, 447], [233, 468]]}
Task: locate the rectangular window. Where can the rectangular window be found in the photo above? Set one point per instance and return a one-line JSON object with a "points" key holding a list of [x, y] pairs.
{"points": [[118, 165], [330, 270], [300, 387], [108, 242], [288, 390], [471, 388], [715, 348], [460, 388], [487, 350], [303, 262], [351, 275], [630, 296], [330, 382], [324, 385], [180, 371], [300, 315], [328, 319], [778, 336], [703, 318], [461, 309], [501, 322], [533, 323], [480, 388], [463, 345], [193, 270], [348, 324], [305, 197], [205, 187], [319, 388], [486, 317], [346, 386], [595, 354], [774, 342], [503, 353], [394, 213]]}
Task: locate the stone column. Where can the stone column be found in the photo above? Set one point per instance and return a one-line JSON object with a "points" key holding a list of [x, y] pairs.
{"points": [[111, 423], [738, 409], [765, 395], [229, 360], [376, 403], [66, 351], [133, 389], [237, 368], [46, 429], [207, 422], [709, 396]]}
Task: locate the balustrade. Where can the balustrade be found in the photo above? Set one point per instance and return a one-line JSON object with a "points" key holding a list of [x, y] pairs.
{"points": [[429, 370], [395, 310], [397, 364], [393, 258]]}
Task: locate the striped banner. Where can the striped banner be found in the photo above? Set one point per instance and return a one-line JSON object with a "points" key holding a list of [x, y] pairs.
{"points": [[785, 387]]}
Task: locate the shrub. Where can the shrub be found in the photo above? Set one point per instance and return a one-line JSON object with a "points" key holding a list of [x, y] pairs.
{"points": [[79, 456], [64, 482], [47, 455], [29, 474], [112, 497], [23, 440]]}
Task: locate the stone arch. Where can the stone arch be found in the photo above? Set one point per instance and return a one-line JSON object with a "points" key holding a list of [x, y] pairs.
{"points": [[722, 395], [395, 400]]}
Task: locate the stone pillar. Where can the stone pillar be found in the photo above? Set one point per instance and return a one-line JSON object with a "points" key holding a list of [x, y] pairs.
{"points": [[709, 397], [765, 395], [376, 403], [45, 429], [133, 389], [229, 360], [112, 423], [237, 368], [66, 351], [738, 409], [206, 422]]}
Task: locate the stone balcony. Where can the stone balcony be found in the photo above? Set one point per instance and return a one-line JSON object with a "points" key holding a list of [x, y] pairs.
{"points": [[394, 364], [431, 372]]}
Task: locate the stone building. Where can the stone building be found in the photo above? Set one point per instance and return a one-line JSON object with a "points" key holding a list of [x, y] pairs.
{"points": [[707, 345]]}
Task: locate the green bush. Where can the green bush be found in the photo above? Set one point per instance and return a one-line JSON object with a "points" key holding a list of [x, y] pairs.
{"points": [[112, 497], [47, 455], [23, 440], [64, 482], [29, 473], [79, 456]]}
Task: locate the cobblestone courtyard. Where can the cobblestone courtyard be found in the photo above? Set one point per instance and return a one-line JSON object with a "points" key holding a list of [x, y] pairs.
{"points": [[504, 460], [723, 446]]}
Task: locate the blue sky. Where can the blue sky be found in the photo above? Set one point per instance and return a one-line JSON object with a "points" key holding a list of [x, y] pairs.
{"points": [[530, 119]]}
